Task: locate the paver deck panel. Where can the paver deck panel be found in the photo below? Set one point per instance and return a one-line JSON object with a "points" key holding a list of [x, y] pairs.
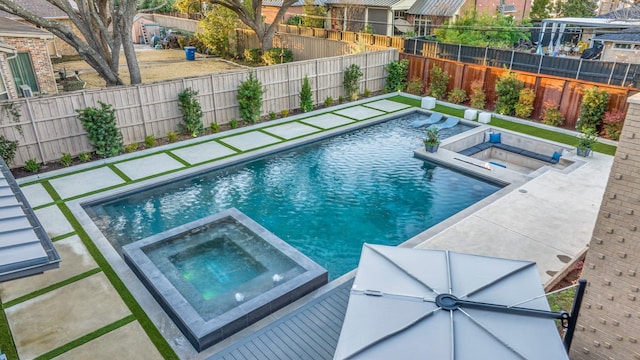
{"points": [[359, 112], [200, 153], [85, 182], [327, 121], [291, 130], [250, 140], [147, 166]]}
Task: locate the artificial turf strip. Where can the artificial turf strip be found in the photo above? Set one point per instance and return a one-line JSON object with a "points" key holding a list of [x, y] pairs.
{"points": [[517, 127], [7, 346], [137, 311], [63, 236], [119, 173], [49, 288], [549, 135], [86, 338]]}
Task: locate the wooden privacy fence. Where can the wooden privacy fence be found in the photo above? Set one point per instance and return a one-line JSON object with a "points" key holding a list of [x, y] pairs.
{"points": [[346, 36], [50, 126], [303, 48], [566, 93]]}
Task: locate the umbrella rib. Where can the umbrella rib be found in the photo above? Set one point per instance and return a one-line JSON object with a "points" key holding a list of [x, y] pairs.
{"points": [[404, 270], [492, 334], [497, 280], [543, 295], [391, 334]]}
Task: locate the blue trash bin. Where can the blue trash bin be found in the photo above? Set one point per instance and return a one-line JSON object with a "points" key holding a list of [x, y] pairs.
{"points": [[191, 52]]}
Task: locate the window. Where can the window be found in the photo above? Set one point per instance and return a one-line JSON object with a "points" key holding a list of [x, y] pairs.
{"points": [[23, 74], [421, 24], [4, 95], [622, 46], [398, 14]]}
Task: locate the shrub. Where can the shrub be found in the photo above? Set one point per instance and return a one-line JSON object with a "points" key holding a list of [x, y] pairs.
{"points": [[277, 56], [551, 115], [340, 99], [250, 94], [508, 93], [594, 104], [84, 157], [396, 75], [73, 85], [415, 86], [612, 122], [172, 136], [149, 141], [366, 93], [66, 159], [524, 107], [131, 147], [352, 75], [438, 81], [457, 96], [215, 127], [306, 97], [284, 113], [32, 165], [328, 101], [8, 149], [191, 112], [233, 123], [295, 20], [100, 125], [252, 56], [477, 98], [272, 115]]}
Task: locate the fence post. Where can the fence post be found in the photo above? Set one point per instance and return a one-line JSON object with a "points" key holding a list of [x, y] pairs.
{"points": [[580, 67], [611, 74], [35, 131], [415, 46], [513, 53], [435, 50], [213, 100], [459, 51], [486, 51], [540, 63], [289, 88], [366, 69], [626, 73], [144, 120], [317, 81]]}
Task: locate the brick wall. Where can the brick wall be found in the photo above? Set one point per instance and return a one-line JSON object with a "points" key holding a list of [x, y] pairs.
{"points": [[37, 48], [57, 46], [609, 322]]}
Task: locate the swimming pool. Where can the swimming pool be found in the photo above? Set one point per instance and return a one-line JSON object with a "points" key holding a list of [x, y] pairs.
{"points": [[325, 199]]}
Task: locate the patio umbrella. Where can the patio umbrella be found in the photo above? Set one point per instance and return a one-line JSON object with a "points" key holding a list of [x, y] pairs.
{"points": [[436, 304]]}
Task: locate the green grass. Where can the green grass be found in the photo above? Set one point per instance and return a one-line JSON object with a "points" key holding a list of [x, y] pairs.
{"points": [[513, 126], [7, 345]]}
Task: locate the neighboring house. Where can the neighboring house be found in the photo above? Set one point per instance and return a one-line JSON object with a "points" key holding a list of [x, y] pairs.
{"points": [[623, 46], [382, 17], [618, 9], [29, 63], [271, 7], [395, 17], [56, 47], [7, 86]]}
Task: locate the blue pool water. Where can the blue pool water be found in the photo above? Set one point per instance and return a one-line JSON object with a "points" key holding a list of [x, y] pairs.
{"points": [[325, 199]]}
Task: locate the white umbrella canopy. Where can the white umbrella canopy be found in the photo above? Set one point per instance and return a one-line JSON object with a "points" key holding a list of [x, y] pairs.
{"points": [[394, 312]]}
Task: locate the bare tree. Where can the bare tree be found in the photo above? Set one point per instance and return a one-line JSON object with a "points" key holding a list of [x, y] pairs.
{"points": [[105, 28], [250, 13]]}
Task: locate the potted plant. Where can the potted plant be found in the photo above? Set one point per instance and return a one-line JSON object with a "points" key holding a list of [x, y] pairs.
{"points": [[586, 140], [432, 140]]}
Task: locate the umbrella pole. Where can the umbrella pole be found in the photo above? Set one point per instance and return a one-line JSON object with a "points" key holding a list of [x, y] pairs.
{"points": [[573, 318]]}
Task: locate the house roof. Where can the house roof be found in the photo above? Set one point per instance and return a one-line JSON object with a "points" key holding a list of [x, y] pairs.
{"points": [[436, 7], [12, 28], [278, 3], [631, 12], [631, 35], [38, 7], [25, 248], [371, 3]]}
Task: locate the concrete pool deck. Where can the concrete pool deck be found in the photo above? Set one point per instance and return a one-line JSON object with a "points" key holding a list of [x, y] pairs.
{"points": [[549, 223]]}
